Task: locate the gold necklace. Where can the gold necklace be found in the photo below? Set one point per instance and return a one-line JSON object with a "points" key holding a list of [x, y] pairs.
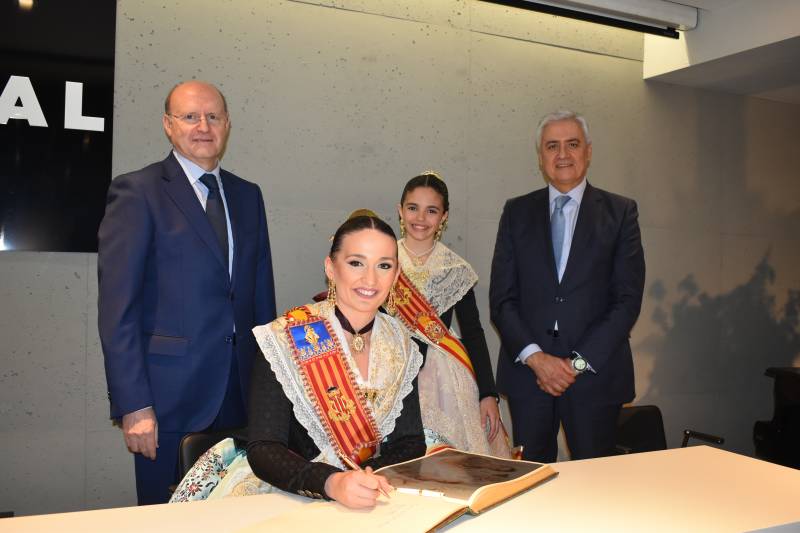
{"points": [[358, 336], [417, 259], [370, 393]]}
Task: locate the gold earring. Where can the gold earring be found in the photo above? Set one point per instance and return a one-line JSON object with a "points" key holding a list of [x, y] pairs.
{"points": [[402, 228], [331, 292], [390, 306], [441, 229]]}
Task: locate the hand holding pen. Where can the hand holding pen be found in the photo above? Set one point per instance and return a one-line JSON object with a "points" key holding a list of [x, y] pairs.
{"points": [[357, 488], [383, 485]]}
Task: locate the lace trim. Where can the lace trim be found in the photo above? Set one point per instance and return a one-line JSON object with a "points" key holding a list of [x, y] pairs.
{"points": [[397, 335], [276, 351], [449, 277], [394, 363]]}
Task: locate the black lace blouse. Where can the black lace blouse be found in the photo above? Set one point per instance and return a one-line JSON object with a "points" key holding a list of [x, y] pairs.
{"points": [[280, 450]]}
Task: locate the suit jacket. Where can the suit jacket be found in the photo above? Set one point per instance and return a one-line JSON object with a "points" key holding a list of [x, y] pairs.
{"points": [[170, 316], [596, 303]]}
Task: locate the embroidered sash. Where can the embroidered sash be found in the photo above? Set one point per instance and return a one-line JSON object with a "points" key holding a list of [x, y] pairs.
{"points": [[416, 312], [331, 386]]}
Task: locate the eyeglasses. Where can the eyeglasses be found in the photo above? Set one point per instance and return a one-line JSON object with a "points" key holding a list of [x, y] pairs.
{"points": [[212, 119]]}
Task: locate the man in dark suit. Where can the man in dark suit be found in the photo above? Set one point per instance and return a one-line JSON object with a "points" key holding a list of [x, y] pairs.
{"points": [[185, 273], [566, 289]]}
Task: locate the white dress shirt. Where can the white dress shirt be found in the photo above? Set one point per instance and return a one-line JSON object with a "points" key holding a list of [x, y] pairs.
{"points": [[193, 174], [570, 209]]}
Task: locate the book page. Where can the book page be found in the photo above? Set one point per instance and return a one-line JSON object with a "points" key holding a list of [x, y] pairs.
{"points": [[456, 474], [401, 513]]}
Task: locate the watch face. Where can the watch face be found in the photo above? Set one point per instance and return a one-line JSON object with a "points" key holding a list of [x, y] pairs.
{"points": [[579, 364]]}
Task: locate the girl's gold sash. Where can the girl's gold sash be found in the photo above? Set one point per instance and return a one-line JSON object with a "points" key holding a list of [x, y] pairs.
{"points": [[416, 312]]}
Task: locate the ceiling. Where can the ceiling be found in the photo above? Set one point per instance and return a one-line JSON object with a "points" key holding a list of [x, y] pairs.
{"points": [[771, 71]]}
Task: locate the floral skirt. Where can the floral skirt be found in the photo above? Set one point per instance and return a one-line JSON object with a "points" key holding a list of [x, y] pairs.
{"points": [[222, 471]]}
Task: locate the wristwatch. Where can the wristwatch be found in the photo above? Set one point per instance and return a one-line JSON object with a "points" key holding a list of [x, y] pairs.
{"points": [[579, 364]]}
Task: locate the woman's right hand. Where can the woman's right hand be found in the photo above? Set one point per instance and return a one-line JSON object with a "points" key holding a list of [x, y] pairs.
{"points": [[356, 489]]}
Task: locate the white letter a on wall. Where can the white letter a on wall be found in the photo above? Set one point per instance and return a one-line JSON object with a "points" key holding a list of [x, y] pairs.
{"points": [[20, 88], [73, 110]]}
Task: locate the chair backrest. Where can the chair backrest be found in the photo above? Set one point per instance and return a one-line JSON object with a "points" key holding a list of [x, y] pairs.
{"points": [[193, 445], [640, 428]]}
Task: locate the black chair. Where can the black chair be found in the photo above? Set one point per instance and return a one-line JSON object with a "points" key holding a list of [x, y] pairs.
{"points": [[640, 428], [778, 440], [194, 445]]}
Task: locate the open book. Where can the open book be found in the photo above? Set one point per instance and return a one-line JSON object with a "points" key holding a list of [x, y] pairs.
{"points": [[432, 491], [475, 481]]}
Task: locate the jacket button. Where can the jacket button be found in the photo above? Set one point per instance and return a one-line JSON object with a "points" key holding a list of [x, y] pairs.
{"points": [[228, 339], [231, 295]]}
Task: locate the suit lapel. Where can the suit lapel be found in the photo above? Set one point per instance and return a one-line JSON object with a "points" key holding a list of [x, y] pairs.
{"points": [[584, 229], [232, 199], [178, 188], [541, 214]]}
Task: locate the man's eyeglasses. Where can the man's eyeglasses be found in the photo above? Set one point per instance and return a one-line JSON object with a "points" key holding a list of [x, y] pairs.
{"points": [[212, 119]]}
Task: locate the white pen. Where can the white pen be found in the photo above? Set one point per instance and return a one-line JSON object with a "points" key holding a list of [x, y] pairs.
{"points": [[420, 492]]}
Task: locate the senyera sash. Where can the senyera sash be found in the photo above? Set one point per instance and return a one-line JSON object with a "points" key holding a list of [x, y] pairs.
{"points": [[330, 385], [417, 313]]}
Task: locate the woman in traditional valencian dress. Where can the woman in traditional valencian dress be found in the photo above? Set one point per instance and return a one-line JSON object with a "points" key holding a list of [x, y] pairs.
{"points": [[456, 384], [333, 395]]}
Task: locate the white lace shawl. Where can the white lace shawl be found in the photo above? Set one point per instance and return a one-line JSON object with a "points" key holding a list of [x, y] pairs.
{"points": [[449, 276], [393, 364]]}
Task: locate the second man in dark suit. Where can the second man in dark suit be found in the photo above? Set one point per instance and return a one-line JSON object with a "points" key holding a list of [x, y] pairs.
{"points": [[566, 289], [184, 273]]}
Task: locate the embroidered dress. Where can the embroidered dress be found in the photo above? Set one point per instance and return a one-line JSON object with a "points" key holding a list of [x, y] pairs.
{"points": [[204, 476], [394, 361], [448, 390]]}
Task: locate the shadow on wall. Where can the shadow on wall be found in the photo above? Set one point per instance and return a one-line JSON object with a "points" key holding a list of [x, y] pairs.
{"points": [[709, 360]]}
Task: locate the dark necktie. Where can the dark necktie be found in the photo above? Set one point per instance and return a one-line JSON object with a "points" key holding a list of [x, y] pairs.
{"points": [[558, 225], [215, 211]]}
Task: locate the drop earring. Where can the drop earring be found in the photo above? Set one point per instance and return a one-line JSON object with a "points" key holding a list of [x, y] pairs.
{"points": [[390, 306], [441, 229], [331, 292]]}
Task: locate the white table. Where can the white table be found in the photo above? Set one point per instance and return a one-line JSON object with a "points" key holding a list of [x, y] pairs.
{"points": [[699, 488], [687, 489]]}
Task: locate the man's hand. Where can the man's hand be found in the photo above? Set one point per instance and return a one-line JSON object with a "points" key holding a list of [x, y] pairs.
{"points": [[356, 489], [490, 411], [553, 374], [140, 429]]}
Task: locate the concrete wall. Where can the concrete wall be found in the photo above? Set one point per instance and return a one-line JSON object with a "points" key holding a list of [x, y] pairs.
{"points": [[335, 105]]}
